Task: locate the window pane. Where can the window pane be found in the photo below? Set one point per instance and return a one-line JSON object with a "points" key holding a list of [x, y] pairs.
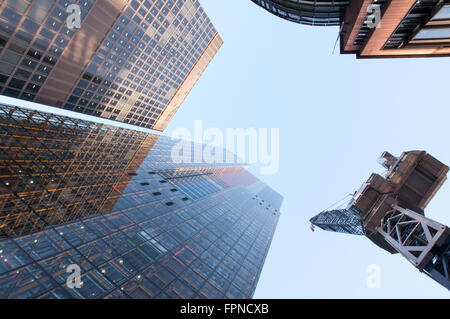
{"points": [[443, 14], [433, 34]]}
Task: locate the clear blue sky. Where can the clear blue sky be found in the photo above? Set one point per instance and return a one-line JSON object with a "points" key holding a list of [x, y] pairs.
{"points": [[336, 115]]}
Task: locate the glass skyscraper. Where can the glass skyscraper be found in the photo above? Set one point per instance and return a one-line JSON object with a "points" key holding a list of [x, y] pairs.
{"points": [[129, 61], [114, 203]]}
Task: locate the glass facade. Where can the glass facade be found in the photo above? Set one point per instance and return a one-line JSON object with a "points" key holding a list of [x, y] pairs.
{"points": [[437, 29], [314, 12], [443, 13], [375, 28], [55, 169], [417, 25], [33, 35], [154, 229], [136, 67]]}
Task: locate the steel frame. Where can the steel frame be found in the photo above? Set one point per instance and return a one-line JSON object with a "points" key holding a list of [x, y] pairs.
{"points": [[422, 241]]}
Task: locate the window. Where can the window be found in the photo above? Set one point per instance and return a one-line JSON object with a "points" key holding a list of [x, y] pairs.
{"points": [[39, 78], [32, 87], [11, 57], [16, 83], [3, 78], [6, 68], [443, 14], [435, 33], [37, 14], [11, 92]]}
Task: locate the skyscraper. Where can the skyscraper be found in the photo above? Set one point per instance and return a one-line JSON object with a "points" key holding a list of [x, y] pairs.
{"points": [[376, 28], [56, 169], [139, 226], [129, 61]]}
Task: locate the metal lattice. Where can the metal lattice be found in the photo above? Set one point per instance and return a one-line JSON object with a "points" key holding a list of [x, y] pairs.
{"points": [[340, 221], [424, 242]]}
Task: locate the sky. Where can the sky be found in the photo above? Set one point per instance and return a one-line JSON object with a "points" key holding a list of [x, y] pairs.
{"points": [[336, 115]]}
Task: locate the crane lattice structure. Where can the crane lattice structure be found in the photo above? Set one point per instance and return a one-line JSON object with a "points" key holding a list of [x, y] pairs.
{"points": [[390, 211]]}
